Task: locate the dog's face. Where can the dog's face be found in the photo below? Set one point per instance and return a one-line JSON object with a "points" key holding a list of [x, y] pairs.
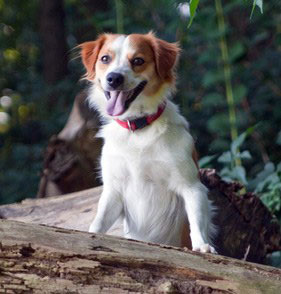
{"points": [[132, 71]]}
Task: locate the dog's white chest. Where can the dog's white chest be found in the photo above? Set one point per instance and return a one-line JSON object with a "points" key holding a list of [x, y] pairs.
{"points": [[151, 209]]}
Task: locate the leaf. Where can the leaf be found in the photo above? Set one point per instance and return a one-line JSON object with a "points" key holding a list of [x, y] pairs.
{"points": [[245, 155], [219, 123], [208, 56], [225, 157], [239, 173], [213, 99], [192, 7], [235, 145], [259, 3], [260, 180], [236, 50], [212, 77], [239, 92], [273, 179], [204, 161], [240, 139]]}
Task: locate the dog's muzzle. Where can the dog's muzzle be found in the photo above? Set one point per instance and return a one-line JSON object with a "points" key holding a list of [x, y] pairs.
{"points": [[119, 101]]}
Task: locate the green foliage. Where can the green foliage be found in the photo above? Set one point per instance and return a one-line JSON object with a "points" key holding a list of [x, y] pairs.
{"points": [[192, 6], [230, 171], [258, 3], [267, 183]]}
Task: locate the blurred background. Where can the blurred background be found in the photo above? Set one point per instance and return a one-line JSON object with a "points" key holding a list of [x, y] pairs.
{"points": [[229, 82]]}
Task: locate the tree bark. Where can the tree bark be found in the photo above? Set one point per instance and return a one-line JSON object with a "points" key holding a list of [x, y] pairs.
{"points": [[54, 48], [41, 259], [52, 32]]}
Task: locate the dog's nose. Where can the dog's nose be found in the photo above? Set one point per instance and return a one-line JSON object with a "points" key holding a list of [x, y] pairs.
{"points": [[115, 79]]}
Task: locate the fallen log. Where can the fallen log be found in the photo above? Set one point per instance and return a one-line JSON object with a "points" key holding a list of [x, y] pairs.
{"points": [[247, 230], [72, 211], [42, 259]]}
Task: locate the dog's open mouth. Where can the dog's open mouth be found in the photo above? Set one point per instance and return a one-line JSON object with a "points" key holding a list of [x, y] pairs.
{"points": [[119, 101]]}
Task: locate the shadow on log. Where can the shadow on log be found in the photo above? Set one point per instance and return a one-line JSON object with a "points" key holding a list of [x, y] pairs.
{"points": [[41, 259]]}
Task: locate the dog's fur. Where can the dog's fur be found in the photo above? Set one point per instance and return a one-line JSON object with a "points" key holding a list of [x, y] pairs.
{"points": [[150, 176]]}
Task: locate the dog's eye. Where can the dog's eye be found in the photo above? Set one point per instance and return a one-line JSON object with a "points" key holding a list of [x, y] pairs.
{"points": [[105, 59], [137, 61]]}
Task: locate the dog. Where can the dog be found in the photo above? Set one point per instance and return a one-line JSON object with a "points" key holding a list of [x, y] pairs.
{"points": [[148, 163]]}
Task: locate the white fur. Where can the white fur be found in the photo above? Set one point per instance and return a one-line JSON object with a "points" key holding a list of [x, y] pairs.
{"points": [[149, 176], [121, 47]]}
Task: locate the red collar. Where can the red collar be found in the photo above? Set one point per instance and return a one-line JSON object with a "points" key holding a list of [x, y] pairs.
{"points": [[142, 122]]}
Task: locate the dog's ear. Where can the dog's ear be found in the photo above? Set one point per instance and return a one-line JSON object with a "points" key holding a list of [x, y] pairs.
{"points": [[89, 54], [166, 57]]}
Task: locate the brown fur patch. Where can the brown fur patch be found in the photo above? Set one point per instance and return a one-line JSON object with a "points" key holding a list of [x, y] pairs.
{"points": [[91, 51], [165, 55]]}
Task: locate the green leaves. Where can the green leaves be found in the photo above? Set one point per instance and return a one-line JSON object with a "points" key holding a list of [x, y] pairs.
{"points": [[238, 173], [206, 160], [192, 7], [236, 144], [258, 3], [194, 4], [268, 184], [239, 93], [231, 171]]}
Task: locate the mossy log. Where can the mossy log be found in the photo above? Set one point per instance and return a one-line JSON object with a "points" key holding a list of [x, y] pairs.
{"points": [[41, 259]]}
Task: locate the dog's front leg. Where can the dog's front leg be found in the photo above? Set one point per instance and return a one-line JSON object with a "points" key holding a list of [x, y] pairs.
{"points": [[110, 208], [198, 209]]}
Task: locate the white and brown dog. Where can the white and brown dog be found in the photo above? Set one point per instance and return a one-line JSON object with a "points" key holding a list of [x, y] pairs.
{"points": [[148, 162]]}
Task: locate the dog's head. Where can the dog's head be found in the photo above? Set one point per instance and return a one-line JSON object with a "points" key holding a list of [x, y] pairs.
{"points": [[134, 73]]}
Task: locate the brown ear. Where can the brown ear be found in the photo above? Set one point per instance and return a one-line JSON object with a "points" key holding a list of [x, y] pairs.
{"points": [[89, 55], [166, 56]]}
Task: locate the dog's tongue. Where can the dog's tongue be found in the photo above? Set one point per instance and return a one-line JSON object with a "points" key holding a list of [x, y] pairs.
{"points": [[116, 103]]}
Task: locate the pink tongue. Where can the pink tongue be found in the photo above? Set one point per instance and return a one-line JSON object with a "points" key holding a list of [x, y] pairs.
{"points": [[116, 103]]}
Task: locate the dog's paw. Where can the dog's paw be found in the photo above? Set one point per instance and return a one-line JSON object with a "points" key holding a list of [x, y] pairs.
{"points": [[205, 248]]}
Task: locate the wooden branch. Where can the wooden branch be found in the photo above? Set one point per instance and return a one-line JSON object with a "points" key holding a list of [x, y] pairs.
{"points": [[41, 259]]}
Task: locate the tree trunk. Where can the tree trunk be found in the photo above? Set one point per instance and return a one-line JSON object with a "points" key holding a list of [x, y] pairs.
{"points": [[41, 259], [54, 48]]}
